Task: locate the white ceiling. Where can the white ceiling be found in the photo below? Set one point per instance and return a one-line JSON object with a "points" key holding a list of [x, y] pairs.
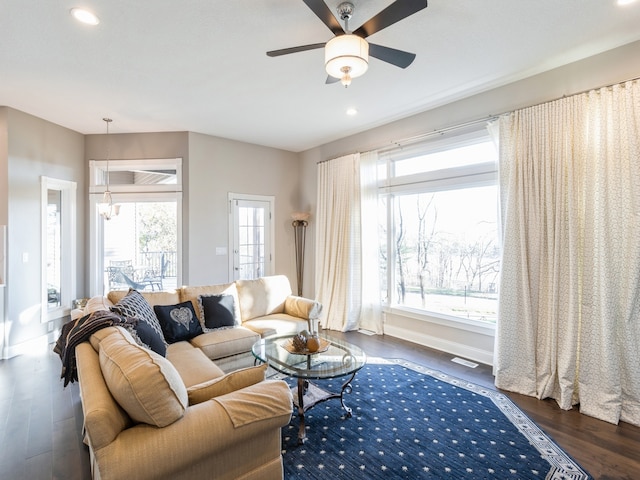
{"points": [[200, 65]]}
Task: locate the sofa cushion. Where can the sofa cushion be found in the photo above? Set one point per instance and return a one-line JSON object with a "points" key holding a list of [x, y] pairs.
{"points": [[179, 322], [262, 296], [153, 298], [144, 384], [225, 342], [134, 305], [278, 323], [97, 303], [217, 310], [192, 364], [228, 383]]}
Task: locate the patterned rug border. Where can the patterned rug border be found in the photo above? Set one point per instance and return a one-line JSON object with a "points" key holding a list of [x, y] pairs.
{"points": [[563, 467]]}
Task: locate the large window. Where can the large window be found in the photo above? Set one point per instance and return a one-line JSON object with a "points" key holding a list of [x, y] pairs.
{"points": [[440, 250], [140, 247]]}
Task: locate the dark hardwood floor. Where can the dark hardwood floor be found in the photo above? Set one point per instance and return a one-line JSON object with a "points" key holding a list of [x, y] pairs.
{"points": [[41, 422]]}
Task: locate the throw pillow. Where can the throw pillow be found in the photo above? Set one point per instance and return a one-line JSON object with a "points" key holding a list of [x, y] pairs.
{"points": [[229, 383], [217, 310], [179, 322], [145, 385], [134, 305], [150, 338]]}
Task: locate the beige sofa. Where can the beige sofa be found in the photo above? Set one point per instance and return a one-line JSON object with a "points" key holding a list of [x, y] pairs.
{"points": [[179, 417], [150, 417], [265, 306]]}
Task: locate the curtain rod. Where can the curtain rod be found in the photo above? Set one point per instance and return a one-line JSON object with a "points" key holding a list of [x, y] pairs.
{"points": [[581, 92], [488, 118], [422, 136], [436, 132], [441, 131]]}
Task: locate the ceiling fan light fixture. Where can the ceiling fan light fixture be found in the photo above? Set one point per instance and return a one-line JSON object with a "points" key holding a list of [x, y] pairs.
{"points": [[346, 57]]}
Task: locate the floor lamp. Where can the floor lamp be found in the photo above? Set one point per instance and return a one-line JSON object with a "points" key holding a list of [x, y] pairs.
{"points": [[300, 222]]}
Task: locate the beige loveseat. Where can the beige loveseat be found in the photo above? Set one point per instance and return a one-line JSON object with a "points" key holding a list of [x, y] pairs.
{"points": [[150, 417]]}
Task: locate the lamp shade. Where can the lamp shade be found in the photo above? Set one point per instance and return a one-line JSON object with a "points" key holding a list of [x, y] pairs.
{"points": [[346, 54]]}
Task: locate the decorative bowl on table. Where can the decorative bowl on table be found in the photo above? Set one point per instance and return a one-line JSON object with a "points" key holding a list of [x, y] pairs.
{"points": [[306, 344]]}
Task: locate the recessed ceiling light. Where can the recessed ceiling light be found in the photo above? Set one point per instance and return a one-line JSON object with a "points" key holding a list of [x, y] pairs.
{"points": [[352, 111], [85, 16], [625, 2]]}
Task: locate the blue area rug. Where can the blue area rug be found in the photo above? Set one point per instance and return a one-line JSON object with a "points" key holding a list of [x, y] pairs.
{"points": [[412, 422]]}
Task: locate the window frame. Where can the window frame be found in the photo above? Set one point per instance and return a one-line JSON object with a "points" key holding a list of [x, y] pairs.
{"points": [[269, 240], [128, 193], [67, 191], [455, 178]]}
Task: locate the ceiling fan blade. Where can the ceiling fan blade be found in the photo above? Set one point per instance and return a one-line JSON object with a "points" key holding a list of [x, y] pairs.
{"points": [[323, 13], [399, 58], [395, 12], [301, 48], [331, 79]]}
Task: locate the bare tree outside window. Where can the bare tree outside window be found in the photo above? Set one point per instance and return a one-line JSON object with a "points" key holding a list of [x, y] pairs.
{"points": [[445, 255]]}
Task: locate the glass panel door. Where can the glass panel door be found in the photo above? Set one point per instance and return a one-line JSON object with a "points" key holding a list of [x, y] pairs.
{"points": [[140, 247], [251, 227]]}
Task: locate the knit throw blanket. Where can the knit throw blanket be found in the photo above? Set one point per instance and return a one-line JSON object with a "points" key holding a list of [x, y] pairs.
{"points": [[78, 331]]}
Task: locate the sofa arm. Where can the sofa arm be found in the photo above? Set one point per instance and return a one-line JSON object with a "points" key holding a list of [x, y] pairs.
{"points": [[302, 307], [204, 439], [228, 383]]}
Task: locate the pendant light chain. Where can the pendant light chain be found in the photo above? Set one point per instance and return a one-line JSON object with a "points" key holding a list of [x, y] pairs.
{"points": [[108, 209], [108, 121]]}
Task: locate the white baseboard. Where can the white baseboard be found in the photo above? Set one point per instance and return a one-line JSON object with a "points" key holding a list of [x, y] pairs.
{"points": [[459, 349], [36, 346]]}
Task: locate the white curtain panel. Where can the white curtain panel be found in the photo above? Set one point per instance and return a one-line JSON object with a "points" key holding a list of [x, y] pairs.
{"points": [[569, 308], [338, 252]]}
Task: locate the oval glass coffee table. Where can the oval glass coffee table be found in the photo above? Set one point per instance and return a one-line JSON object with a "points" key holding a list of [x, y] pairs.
{"points": [[335, 359]]}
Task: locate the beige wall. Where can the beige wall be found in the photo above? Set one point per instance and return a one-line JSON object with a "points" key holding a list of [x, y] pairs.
{"points": [[211, 168], [35, 148], [218, 166], [31, 147], [610, 67]]}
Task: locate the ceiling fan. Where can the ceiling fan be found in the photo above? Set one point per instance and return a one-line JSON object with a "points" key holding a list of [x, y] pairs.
{"points": [[347, 53]]}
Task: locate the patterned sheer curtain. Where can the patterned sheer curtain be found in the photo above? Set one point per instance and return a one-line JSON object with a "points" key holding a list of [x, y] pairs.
{"points": [[569, 326], [346, 279]]}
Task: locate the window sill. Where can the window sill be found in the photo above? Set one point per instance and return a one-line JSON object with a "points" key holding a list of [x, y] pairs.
{"points": [[468, 325]]}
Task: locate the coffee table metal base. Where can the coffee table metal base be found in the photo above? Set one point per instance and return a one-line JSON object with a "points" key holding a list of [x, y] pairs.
{"points": [[307, 394]]}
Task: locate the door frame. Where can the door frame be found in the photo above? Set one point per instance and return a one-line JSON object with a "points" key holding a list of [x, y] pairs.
{"points": [[271, 199]]}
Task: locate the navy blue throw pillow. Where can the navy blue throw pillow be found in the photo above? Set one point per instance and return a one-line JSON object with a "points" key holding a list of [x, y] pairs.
{"points": [[179, 322], [218, 310], [151, 338]]}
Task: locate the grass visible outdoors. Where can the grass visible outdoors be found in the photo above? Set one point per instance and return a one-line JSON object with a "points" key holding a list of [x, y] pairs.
{"points": [[484, 308]]}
